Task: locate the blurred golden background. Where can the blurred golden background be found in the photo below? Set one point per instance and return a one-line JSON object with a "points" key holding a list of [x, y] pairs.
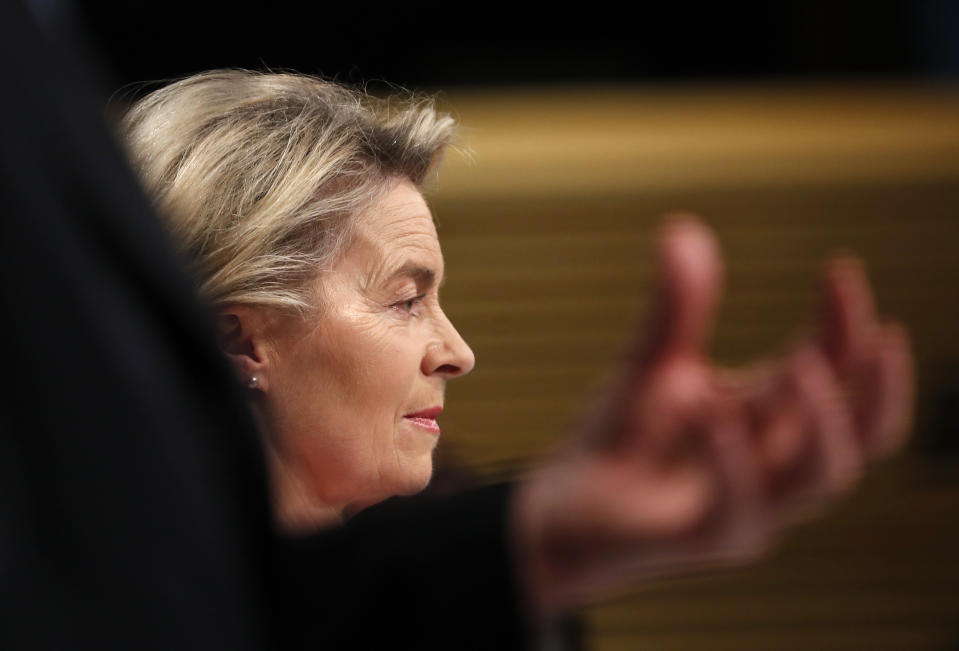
{"points": [[547, 224]]}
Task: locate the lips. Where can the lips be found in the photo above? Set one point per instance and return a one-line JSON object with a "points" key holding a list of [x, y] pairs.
{"points": [[426, 419]]}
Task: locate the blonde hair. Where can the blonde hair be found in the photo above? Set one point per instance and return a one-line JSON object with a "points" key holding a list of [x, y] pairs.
{"points": [[259, 175]]}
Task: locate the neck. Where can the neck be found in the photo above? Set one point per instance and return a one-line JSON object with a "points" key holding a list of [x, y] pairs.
{"points": [[296, 509]]}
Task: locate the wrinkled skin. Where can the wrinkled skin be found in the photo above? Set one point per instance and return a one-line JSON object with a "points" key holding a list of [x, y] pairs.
{"points": [[337, 391], [681, 465]]}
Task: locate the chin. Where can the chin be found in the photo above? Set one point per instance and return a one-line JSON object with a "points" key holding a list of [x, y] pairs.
{"points": [[415, 479], [409, 483]]}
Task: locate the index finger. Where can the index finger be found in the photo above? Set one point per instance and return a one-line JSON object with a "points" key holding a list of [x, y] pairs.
{"points": [[848, 327]]}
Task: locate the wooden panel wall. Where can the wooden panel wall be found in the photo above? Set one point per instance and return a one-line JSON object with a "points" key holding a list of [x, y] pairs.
{"points": [[547, 233]]}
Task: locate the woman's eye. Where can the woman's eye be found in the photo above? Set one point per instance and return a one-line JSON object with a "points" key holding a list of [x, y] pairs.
{"points": [[410, 305]]}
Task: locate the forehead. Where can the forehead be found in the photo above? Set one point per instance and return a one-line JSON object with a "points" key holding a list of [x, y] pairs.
{"points": [[395, 230], [400, 213]]}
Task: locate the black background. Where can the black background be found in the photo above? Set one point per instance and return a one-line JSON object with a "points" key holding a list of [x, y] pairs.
{"points": [[454, 45]]}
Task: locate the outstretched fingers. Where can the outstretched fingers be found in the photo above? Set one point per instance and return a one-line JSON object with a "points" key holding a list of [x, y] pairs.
{"points": [[802, 436], [688, 290], [849, 327], [885, 394], [836, 461], [873, 361]]}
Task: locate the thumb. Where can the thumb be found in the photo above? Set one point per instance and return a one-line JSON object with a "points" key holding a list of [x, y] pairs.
{"points": [[688, 291]]}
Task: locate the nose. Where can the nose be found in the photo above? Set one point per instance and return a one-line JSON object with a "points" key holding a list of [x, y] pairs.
{"points": [[448, 355]]}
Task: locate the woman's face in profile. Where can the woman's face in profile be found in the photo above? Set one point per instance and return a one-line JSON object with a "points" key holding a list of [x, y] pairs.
{"points": [[354, 394]]}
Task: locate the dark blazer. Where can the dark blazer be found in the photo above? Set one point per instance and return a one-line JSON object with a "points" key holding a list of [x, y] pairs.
{"points": [[133, 497]]}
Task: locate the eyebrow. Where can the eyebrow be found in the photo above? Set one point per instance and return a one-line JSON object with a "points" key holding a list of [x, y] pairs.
{"points": [[422, 275]]}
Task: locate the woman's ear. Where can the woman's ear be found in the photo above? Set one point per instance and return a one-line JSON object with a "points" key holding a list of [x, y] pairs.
{"points": [[242, 335]]}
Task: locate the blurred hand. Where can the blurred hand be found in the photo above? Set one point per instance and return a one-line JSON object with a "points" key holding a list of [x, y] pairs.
{"points": [[682, 465]]}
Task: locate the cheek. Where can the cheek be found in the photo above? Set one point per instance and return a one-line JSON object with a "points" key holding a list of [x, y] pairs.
{"points": [[346, 392], [403, 450], [357, 384], [410, 464], [386, 364]]}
